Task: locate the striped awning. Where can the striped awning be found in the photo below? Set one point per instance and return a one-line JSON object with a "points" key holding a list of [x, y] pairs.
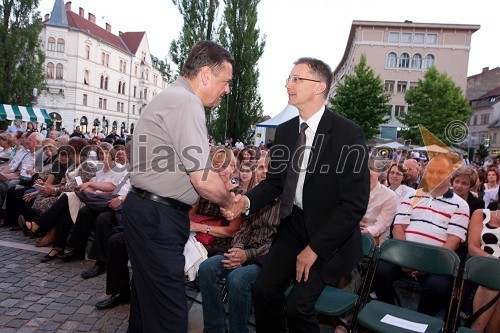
{"points": [[14, 112]]}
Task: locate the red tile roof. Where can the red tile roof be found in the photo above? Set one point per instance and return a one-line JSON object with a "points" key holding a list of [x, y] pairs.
{"points": [[133, 39], [492, 93], [80, 23]]}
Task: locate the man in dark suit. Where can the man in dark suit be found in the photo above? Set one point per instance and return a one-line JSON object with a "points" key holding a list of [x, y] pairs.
{"points": [[319, 238]]}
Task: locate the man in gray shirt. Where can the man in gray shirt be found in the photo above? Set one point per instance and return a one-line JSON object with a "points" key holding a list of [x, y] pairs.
{"points": [[170, 170]]}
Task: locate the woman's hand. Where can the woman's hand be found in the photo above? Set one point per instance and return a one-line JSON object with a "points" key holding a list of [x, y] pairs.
{"points": [[84, 186], [197, 227], [30, 196], [47, 190]]}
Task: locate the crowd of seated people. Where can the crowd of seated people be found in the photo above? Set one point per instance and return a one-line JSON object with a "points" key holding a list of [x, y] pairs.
{"points": [[39, 179]]}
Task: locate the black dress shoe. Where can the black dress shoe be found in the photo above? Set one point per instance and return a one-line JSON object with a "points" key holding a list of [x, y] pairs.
{"points": [[2, 223], [112, 301], [94, 271], [72, 255], [53, 254]]}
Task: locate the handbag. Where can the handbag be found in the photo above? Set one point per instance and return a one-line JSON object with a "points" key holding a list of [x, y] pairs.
{"points": [[96, 201], [203, 237], [26, 181]]}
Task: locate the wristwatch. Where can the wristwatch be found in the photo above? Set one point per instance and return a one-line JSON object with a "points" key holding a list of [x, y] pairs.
{"points": [[120, 198], [208, 229]]}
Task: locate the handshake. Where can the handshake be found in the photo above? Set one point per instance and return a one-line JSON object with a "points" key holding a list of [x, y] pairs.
{"points": [[239, 204]]}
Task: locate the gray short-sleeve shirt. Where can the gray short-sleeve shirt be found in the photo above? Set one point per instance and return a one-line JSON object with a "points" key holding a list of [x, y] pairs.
{"points": [[170, 140]]}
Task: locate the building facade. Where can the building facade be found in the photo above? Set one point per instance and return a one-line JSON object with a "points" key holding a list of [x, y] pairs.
{"points": [[401, 53], [484, 124], [95, 78]]}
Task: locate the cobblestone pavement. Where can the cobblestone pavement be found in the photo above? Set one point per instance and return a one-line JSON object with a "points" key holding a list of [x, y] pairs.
{"points": [[51, 297]]}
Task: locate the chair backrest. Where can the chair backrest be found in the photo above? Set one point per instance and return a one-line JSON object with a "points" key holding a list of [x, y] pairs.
{"points": [[421, 257], [369, 245], [483, 271]]}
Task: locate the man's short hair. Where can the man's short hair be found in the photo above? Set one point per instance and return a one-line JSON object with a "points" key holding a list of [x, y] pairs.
{"points": [[320, 70], [205, 53]]}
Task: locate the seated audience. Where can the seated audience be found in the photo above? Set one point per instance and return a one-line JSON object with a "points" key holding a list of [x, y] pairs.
{"points": [[240, 266], [444, 225]]}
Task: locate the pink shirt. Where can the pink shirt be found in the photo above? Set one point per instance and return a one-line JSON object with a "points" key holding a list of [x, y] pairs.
{"points": [[380, 212]]}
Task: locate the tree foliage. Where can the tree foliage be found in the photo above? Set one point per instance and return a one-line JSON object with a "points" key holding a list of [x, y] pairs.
{"points": [[240, 35], [482, 152], [21, 58], [363, 99], [199, 18], [434, 103]]}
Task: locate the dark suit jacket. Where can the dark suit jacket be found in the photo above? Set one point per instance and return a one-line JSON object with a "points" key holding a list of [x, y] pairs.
{"points": [[335, 194]]}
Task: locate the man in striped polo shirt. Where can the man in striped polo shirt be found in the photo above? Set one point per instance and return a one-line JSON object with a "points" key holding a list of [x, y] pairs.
{"points": [[435, 216]]}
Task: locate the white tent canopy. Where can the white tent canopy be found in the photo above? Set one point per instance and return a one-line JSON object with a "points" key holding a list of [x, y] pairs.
{"points": [[266, 129], [393, 145]]}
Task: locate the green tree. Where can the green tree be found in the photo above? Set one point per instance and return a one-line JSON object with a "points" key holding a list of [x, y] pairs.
{"points": [[435, 103], [21, 59], [482, 152], [199, 17], [243, 106], [363, 99]]}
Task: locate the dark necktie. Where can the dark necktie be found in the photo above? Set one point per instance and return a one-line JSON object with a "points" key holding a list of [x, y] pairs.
{"points": [[292, 176]]}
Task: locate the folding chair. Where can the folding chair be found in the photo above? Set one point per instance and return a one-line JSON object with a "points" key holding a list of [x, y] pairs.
{"points": [[482, 271], [422, 257], [334, 302]]}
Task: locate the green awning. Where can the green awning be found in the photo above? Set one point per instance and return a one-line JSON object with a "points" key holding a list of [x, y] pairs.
{"points": [[14, 112]]}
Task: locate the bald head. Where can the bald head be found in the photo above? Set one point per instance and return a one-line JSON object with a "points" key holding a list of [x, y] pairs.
{"points": [[413, 169]]}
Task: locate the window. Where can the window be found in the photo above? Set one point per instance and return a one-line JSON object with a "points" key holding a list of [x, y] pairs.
{"points": [[399, 110], [87, 52], [135, 91], [60, 45], [431, 39], [494, 139], [145, 93], [416, 61], [485, 118], [429, 61], [143, 56], [393, 37], [413, 85], [123, 66], [86, 77], [50, 70], [51, 45], [133, 109], [102, 103], [106, 83], [389, 86], [147, 74], [135, 71], [406, 37], [155, 80], [119, 87], [105, 59], [475, 120], [401, 86], [418, 38], [102, 82], [59, 72], [123, 88], [391, 60], [118, 106], [85, 98], [404, 60]]}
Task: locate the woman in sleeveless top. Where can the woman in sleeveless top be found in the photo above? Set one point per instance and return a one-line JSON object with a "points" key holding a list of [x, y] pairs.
{"points": [[484, 240]]}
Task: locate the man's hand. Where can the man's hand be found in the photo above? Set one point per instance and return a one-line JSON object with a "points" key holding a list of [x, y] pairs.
{"points": [[114, 203], [240, 203], [30, 196], [305, 260], [84, 186], [235, 258]]}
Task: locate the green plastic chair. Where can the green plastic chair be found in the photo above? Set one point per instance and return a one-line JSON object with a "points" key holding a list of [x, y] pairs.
{"points": [[417, 256], [334, 302], [482, 271]]}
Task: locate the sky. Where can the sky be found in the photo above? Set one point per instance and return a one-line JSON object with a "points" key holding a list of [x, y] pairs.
{"points": [[303, 28]]}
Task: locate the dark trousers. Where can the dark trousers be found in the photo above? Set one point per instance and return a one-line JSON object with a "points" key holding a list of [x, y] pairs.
{"points": [[117, 278], [156, 235], [436, 289], [84, 224], [104, 224], [57, 215], [277, 273], [14, 204]]}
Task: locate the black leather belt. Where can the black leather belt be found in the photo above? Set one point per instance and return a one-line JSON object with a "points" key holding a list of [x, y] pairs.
{"points": [[176, 204]]}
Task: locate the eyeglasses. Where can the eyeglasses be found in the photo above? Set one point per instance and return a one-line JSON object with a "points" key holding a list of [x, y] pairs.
{"points": [[296, 79], [395, 173]]}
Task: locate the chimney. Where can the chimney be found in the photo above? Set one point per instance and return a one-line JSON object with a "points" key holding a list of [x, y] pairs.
{"points": [[47, 17], [108, 27], [68, 6], [120, 33], [485, 69], [81, 12], [92, 18]]}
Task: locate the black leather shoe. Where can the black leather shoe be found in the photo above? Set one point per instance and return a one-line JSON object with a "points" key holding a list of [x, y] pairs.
{"points": [[2, 223], [94, 271], [72, 255], [112, 301], [53, 254]]}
